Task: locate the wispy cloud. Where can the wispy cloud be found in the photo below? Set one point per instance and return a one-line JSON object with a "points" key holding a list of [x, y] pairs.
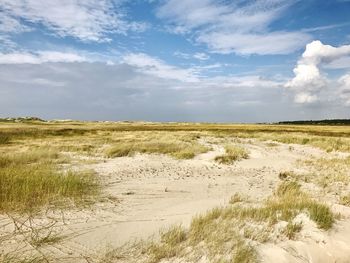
{"points": [[201, 56], [240, 27], [40, 57], [197, 55], [9, 24], [87, 20], [327, 27], [159, 68]]}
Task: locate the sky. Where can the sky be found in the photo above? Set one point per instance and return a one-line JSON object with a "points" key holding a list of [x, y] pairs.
{"points": [[170, 60]]}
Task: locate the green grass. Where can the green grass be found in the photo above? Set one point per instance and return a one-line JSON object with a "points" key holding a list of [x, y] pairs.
{"points": [[232, 154], [31, 180]]}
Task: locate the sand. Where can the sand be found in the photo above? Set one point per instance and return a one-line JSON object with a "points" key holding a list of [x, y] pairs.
{"points": [[144, 194]]}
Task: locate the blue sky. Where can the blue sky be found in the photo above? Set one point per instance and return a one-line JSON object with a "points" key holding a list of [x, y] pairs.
{"points": [[170, 60]]}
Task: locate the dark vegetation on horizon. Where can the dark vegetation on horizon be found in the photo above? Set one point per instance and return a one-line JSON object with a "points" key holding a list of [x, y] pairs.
{"points": [[318, 122]]}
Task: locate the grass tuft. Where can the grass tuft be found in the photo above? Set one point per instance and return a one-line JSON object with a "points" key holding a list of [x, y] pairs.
{"points": [[322, 215], [227, 234], [170, 244], [345, 200], [292, 229], [236, 198], [232, 154], [244, 254], [29, 181], [288, 189], [4, 139], [180, 146]]}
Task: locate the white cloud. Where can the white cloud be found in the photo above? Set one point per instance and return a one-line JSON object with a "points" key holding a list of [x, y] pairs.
{"points": [[341, 63], [250, 81], [142, 87], [309, 81], [192, 77], [254, 43], [238, 27], [344, 82], [201, 56], [197, 55], [40, 57], [317, 53], [6, 43], [10, 24], [159, 68], [87, 20], [127, 93], [182, 55]]}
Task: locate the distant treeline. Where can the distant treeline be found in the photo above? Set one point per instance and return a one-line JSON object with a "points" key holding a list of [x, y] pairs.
{"points": [[319, 122], [22, 119]]}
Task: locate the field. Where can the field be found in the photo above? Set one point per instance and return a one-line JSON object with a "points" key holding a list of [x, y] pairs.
{"points": [[173, 192]]}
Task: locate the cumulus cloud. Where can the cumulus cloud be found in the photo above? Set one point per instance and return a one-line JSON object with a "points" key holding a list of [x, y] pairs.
{"points": [[40, 57], [309, 80], [87, 20], [341, 63], [234, 27], [317, 53]]}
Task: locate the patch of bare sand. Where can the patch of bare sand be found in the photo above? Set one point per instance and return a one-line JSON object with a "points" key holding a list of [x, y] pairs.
{"points": [[156, 191], [312, 244]]}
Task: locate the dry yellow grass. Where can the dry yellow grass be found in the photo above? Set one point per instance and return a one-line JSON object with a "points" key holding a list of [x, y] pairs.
{"points": [[178, 150], [292, 229], [332, 174], [31, 179], [230, 234], [232, 153], [179, 145]]}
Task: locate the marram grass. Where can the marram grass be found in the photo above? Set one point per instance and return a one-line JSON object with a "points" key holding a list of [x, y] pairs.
{"points": [[232, 153], [29, 181]]}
